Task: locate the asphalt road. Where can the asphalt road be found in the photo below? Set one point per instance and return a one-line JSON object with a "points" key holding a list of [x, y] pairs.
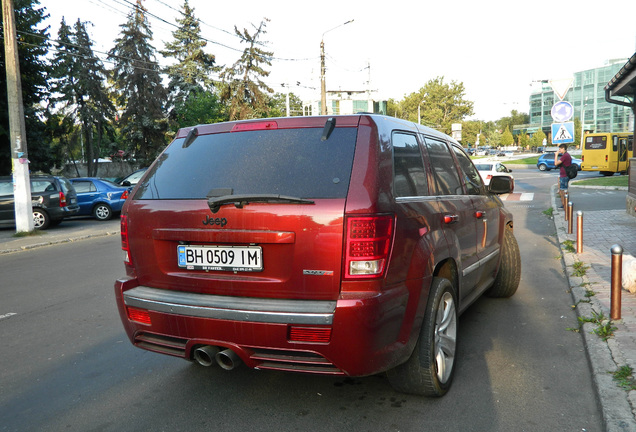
{"points": [[66, 364]]}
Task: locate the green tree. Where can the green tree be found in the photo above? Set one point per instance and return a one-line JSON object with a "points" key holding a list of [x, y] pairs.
{"points": [[394, 108], [278, 105], [191, 73], [506, 138], [444, 104], [522, 140], [440, 104], [514, 119], [537, 138], [577, 132], [470, 130], [34, 71], [79, 78], [243, 87], [138, 86], [198, 108]]}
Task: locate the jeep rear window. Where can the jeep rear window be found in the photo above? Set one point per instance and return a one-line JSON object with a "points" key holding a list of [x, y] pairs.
{"points": [[293, 162]]}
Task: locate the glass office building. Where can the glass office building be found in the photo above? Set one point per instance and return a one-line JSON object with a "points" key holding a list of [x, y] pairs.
{"points": [[587, 95]]}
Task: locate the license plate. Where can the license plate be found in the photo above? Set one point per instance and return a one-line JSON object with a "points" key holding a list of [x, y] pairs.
{"points": [[221, 258]]}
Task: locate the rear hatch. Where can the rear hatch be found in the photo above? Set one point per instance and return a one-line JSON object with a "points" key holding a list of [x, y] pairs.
{"points": [[250, 209]]}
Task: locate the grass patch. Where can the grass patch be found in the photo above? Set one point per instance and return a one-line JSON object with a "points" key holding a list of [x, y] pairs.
{"points": [[525, 161], [614, 181], [580, 269], [605, 328], [568, 245], [549, 212], [624, 376], [33, 233]]}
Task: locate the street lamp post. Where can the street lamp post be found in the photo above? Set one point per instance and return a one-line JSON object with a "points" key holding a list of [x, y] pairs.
{"points": [[583, 105], [323, 85], [419, 116]]}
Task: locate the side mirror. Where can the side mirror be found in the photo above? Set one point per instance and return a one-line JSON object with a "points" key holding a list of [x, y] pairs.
{"points": [[501, 185]]}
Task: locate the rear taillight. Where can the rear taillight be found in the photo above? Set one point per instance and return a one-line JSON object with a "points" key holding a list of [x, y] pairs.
{"points": [[124, 238], [368, 243], [489, 176], [309, 334], [139, 315], [62, 199], [124, 195]]}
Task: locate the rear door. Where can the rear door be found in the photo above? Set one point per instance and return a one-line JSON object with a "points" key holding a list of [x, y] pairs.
{"points": [[487, 217], [257, 212], [456, 211], [86, 194]]}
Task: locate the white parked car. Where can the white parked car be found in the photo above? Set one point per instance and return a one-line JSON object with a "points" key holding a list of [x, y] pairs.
{"points": [[489, 169]]}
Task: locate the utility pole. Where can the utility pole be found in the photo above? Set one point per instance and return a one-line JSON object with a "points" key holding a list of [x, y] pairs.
{"points": [[323, 86], [17, 129]]}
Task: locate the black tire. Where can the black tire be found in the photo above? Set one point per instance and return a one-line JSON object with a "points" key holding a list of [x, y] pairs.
{"points": [[543, 167], [102, 212], [41, 219], [509, 275], [430, 369]]}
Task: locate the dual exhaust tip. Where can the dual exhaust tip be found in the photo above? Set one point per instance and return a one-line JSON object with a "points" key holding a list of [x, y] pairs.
{"points": [[208, 355]]}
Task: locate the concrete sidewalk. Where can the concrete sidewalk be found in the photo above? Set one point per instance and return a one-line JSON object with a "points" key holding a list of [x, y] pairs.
{"points": [[591, 293]]}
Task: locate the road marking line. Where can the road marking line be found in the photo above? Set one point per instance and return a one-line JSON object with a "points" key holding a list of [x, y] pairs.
{"points": [[7, 315], [518, 197]]}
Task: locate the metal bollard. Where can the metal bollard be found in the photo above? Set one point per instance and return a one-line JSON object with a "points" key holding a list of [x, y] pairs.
{"points": [[579, 232], [616, 284], [565, 206], [569, 218]]}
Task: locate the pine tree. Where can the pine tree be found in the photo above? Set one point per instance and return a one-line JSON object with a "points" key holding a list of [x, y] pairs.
{"points": [[192, 99], [80, 79], [191, 72], [243, 89], [32, 50], [138, 86]]}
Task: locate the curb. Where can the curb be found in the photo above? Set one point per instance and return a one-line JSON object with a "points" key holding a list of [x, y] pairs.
{"points": [[615, 403], [57, 241]]}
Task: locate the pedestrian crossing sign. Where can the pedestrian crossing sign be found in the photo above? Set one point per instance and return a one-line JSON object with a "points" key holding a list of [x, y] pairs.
{"points": [[563, 133]]}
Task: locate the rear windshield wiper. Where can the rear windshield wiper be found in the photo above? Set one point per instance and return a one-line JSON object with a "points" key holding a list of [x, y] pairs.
{"points": [[239, 201]]}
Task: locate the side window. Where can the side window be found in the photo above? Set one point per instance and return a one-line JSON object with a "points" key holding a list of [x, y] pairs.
{"points": [[409, 175], [39, 186], [6, 187], [469, 173], [443, 167], [83, 186]]}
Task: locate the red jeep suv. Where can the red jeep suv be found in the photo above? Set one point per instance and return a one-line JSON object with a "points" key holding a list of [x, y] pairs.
{"points": [[343, 245]]}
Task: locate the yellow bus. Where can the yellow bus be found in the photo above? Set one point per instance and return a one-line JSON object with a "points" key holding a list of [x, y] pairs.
{"points": [[607, 153]]}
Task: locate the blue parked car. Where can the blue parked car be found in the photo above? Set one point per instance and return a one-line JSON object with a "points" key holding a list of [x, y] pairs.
{"points": [[546, 162], [98, 197]]}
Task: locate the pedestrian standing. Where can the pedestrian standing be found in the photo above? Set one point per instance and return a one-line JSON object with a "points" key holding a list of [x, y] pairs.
{"points": [[565, 160]]}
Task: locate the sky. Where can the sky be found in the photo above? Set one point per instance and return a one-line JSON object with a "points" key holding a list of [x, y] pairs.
{"points": [[498, 49]]}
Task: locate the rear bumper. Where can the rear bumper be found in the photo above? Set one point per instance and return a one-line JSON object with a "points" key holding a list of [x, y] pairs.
{"points": [[364, 329]]}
